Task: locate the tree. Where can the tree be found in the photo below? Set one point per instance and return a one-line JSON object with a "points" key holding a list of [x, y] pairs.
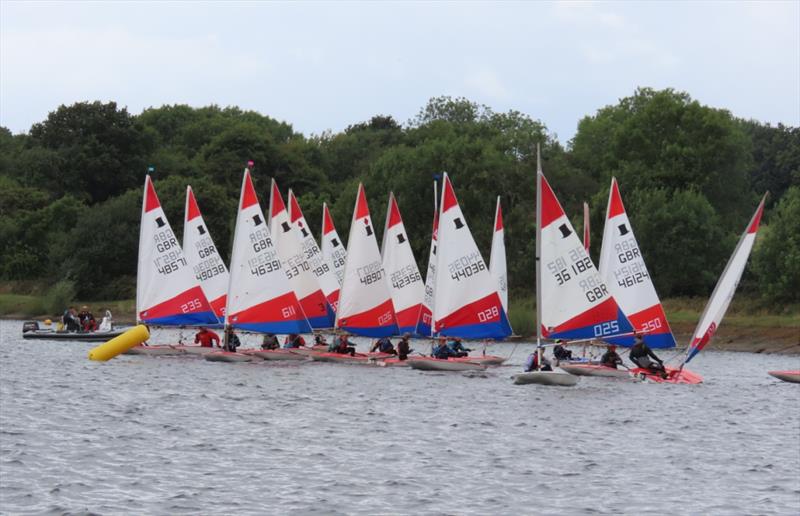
{"points": [[99, 150], [776, 257]]}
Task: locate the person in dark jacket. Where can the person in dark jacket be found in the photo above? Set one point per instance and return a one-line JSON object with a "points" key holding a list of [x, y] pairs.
{"points": [[270, 341], [560, 352], [641, 354], [403, 347], [458, 348], [231, 340], [383, 345], [70, 320], [610, 358], [345, 347], [442, 350]]}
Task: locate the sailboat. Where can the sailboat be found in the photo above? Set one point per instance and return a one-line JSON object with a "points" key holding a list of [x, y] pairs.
{"points": [[572, 301], [167, 292], [331, 245], [302, 278], [405, 281], [319, 265], [716, 307], [466, 302], [365, 302], [425, 319], [259, 297], [623, 269], [204, 259], [497, 258]]}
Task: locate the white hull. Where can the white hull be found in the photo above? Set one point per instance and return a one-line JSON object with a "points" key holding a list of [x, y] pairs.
{"points": [[559, 378], [484, 359], [594, 370], [341, 358], [278, 354], [430, 364], [227, 356], [787, 376]]}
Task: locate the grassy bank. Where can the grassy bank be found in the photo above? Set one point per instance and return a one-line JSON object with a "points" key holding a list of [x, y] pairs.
{"points": [[681, 312]]}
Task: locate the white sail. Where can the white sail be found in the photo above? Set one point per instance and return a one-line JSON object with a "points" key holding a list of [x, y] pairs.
{"points": [[726, 287], [319, 265], [365, 303], [204, 259], [298, 269], [167, 292], [332, 248], [623, 269], [259, 295], [425, 321], [466, 303], [405, 281], [497, 258]]}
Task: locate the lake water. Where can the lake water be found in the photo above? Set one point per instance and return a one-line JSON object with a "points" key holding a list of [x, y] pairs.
{"points": [[164, 435]]}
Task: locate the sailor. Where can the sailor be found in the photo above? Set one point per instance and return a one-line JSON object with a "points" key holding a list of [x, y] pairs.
{"points": [[206, 338], [231, 340], [458, 348], [442, 350], [560, 352], [610, 358], [294, 340], [345, 347], [270, 341], [319, 340], [403, 347], [532, 363], [383, 345], [70, 319], [107, 323], [641, 354]]}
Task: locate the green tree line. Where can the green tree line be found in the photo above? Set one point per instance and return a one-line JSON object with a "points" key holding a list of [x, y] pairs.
{"points": [[690, 176]]}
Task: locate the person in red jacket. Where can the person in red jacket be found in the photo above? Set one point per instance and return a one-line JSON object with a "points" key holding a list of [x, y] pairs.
{"points": [[206, 338]]}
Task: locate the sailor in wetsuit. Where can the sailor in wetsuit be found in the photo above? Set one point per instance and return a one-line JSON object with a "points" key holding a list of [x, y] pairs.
{"points": [[610, 358], [403, 347], [294, 340], [270, 342], [641, 354], [442, 351], [383, 345], [231, 340], [532, 363], [560, 352], [206, 338], [345, 347], [458, 348]]}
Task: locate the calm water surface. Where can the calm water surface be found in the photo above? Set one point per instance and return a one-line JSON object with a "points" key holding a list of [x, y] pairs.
{"points": [[182, 435]]}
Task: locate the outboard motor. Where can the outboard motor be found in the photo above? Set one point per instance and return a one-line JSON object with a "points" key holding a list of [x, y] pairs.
{"points": [[30, 326]]}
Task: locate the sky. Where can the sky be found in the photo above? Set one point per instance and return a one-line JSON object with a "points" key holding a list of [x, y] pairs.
{"points": [[322, 66]]}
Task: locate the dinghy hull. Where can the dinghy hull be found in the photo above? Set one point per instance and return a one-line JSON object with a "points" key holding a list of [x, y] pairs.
{"points": [[594, 370], [341, 358], [278, 354], [437, 364], [194, 350], [557, 378], [673, 376], [483, 359], [227, 356], [154, 351], [787, 376]]}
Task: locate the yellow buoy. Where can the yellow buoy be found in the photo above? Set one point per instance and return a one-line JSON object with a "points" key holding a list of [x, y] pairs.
{"points": [[120, 343]]}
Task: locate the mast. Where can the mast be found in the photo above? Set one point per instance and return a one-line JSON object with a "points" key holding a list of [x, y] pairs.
{"points": [[538, 250]]}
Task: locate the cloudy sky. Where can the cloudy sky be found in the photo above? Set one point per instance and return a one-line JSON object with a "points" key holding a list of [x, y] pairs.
{"points": [[324, 65]]}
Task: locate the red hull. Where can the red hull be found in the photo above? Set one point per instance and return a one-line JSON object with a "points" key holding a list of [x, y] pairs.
{"points": [[674, 376]]}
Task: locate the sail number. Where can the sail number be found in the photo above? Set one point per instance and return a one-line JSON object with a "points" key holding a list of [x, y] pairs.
{"points": [[260, 240], [606, 328], [191, 306], [288, 311], [652, 325], [466, 266], [406, 276], [489, 314], [371, 273]]}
